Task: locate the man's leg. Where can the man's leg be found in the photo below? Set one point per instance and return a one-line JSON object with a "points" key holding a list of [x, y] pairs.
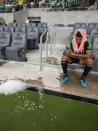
{"points": [[87, 69], [64, 62]]}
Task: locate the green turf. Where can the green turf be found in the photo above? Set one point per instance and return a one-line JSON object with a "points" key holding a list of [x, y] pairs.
{"points": [[28, 111]]}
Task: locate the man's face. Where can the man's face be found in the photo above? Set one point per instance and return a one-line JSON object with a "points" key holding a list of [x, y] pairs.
{"points": [[79, 40]]}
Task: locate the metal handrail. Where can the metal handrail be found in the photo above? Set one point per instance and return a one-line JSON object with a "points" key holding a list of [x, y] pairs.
{"points": [[41, 48]]}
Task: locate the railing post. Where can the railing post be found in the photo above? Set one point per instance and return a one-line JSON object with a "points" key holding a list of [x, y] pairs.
{"points": [[41, 54], [51, 44], [41, 49], [47, 46]]}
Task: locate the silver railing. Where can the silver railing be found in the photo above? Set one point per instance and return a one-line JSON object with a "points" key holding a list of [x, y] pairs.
{"points": [[53, 38]]}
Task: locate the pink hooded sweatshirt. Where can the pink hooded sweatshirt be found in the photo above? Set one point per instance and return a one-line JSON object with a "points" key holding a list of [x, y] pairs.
{"points": [[74, 43]]}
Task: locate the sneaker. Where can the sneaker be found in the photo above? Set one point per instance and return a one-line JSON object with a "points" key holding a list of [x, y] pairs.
{"points": [[64, 80], [83, 83]]}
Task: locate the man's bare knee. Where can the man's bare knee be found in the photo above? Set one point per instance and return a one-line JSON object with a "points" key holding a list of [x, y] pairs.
{"points": [[90, 61], [64, 58]]}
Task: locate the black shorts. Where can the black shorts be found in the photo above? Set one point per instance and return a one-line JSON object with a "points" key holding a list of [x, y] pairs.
{"points": [[75, 60]]}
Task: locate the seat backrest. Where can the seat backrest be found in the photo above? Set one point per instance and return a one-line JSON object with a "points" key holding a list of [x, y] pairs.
{"points": [[75, 28], [21, 24], [71, 36], [20, 29], [93, 31], [4, 37], [12, 24], [81, 25], [8, 29], [90, 25], [1, 28], [31, 25], [42, 25], [95, 41], [19, 38], [32, 33]]}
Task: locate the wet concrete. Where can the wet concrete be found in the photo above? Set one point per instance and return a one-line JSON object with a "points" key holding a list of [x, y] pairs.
{"points": [[34, 83], [2, 62], [73, 85], [51, 74]]}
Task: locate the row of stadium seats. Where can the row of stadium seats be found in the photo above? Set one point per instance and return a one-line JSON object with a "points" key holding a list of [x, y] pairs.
{"points": [[82, 25], [95, 51], [90, 29], [32, 31], [15, 39]]}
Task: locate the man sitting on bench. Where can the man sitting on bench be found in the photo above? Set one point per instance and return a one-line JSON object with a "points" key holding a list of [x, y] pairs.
{"points": [[78, 51]]}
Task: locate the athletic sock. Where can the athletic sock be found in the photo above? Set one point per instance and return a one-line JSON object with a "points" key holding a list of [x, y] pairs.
{"points": [[64, 67], [87, 69]]}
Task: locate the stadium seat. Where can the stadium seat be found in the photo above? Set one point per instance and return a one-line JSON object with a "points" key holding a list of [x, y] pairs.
{"points": [[1, 28], [4, 42], [31, 25], [93, 31], [95, 51], [21, 24], [75, 28], [92, 25], [20, 29], [81, 25], [41, 28], [32, 38], [17, 51], [9, 29], [12, 24]]}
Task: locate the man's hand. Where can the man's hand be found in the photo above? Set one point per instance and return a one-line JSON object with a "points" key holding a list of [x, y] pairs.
{"points": [[67, 52], [70, 53]]}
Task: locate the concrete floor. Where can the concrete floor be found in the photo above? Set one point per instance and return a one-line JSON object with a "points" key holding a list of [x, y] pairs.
{"points": [[51, 74]]}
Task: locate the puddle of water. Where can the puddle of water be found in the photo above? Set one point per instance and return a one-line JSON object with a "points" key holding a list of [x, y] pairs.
{"points": [[3, 62]]}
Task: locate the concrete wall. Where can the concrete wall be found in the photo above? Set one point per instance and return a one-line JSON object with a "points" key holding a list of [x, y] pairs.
{"points": [[21, 16], [65, 17], [60, 17], [8, 17]]}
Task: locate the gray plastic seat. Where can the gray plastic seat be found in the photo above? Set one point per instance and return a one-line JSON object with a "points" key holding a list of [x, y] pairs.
{"points": [[81, 25], [93, 31], [31, 25], [1, 28], [95, 51], [32, 38], [41, 28], [95, 54], [75, 28], [95, 41], [17, 51], [71, 35], [90, 25], [12, 24], [20, 29], [21, 24], [9, 29], [4, 42]]}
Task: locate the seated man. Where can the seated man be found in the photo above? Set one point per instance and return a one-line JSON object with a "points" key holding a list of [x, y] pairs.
{"points": [[78, 51]]}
